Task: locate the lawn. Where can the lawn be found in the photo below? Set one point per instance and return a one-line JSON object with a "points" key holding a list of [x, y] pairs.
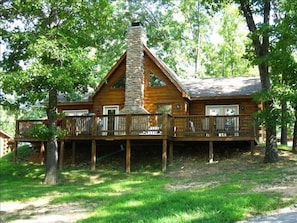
{"points": [[190, 191]]}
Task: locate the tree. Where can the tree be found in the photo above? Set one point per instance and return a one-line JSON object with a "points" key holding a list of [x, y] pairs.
{"points": [[260, 40], [51, 49], [226, 53], [284, 65], [180, 31]]}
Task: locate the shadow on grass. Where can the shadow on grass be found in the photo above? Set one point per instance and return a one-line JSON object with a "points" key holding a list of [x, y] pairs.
{"points": [[145, 196], [207, 205]]}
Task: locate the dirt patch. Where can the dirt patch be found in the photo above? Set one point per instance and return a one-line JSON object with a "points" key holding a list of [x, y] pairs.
{"points": [[187, 165], [41, 210]]}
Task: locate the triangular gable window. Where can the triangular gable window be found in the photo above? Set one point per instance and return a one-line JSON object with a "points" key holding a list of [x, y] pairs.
{"points": [[120, 83], [155, 81]]}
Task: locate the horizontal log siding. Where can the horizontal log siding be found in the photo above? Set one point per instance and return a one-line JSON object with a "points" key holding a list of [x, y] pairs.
{"points": [[168, 94], [153, 95], [246, 105], [109, 96], [70, 106]]}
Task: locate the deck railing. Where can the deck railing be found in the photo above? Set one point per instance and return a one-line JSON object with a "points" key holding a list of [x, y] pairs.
{"points": [[146, 124], [24, 128], [214, 126], [110, 125]]}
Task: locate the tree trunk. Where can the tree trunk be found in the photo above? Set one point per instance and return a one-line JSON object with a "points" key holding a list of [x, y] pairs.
{"points": [[284, 127], [271, 151], [294, 146], [52, 145], [261, 47]]}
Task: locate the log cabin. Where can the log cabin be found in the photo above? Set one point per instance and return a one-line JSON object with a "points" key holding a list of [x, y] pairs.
{"points": [[141, 99], [6, 143]]}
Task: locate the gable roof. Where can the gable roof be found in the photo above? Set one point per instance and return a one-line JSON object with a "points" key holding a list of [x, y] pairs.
{"points": [[117, 64], [5, 135], [198, 88], [221, 87], [171, 75]]}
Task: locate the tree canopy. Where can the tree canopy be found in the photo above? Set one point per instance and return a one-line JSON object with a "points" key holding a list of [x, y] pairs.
{"points": [[65, 47], [52, 48]]}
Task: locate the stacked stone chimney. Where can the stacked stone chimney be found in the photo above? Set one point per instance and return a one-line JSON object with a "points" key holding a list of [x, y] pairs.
{"points": [[134, 90]]}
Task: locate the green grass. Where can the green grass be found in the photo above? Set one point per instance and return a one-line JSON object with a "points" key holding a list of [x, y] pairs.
{"points": [[284, 147], [149, 195]]}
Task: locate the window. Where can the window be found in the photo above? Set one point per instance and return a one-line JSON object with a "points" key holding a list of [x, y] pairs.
{"points": [[163, 108], [222, 110], [155, 81], [120, 83], [229, 125], [75, 112]]}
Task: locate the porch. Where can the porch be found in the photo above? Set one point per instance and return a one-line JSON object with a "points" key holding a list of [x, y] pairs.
{"points": [[163, 128]]}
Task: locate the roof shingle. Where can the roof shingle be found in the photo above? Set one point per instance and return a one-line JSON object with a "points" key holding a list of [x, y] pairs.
{"points": [[216, 87]]}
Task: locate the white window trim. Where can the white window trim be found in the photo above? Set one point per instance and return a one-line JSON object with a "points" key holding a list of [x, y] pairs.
{"points": [[105, 119], [222, 109], [76, 112]]}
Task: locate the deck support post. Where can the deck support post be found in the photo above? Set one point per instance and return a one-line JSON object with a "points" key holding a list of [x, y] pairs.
{"points": [[93, 155], [61, 155], [164, 155], [170, 155], [252, 146], [15, 152], [128, 156], [73, 153], [210, 152]]}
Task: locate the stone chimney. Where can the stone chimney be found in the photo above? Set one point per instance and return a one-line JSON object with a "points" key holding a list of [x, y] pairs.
{"points": [[134, 90]]}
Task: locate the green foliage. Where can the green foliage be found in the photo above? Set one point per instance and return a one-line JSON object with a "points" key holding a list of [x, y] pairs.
{"points": [[283, 63], [7, 121], [52, 45], [39, 131], [225, 56], [42, 132], [149, 196]]}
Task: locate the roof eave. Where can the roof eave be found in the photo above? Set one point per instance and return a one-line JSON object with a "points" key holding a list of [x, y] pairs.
{"points": [[111, 71], [166, 72], [75, 103], [8, 136], [202, 98]]}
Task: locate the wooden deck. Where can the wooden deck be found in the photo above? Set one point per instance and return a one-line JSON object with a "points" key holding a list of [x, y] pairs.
{"points": [[163, 127]]}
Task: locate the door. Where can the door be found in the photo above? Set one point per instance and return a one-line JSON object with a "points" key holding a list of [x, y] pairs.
{"points": [[229, 125], [110, 122]]}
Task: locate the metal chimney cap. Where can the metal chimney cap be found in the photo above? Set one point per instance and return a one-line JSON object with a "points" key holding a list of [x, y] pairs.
{"points": [[136, 24]]}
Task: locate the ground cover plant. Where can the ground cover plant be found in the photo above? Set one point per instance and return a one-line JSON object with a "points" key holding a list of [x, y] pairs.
{"points": [[191, 190]]}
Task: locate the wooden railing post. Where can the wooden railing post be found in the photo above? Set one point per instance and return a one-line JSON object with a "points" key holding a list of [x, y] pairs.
{"points": [[94, 125], [63, 124], [17, 129], [211, 126], [128, 124], [165, 124]]}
